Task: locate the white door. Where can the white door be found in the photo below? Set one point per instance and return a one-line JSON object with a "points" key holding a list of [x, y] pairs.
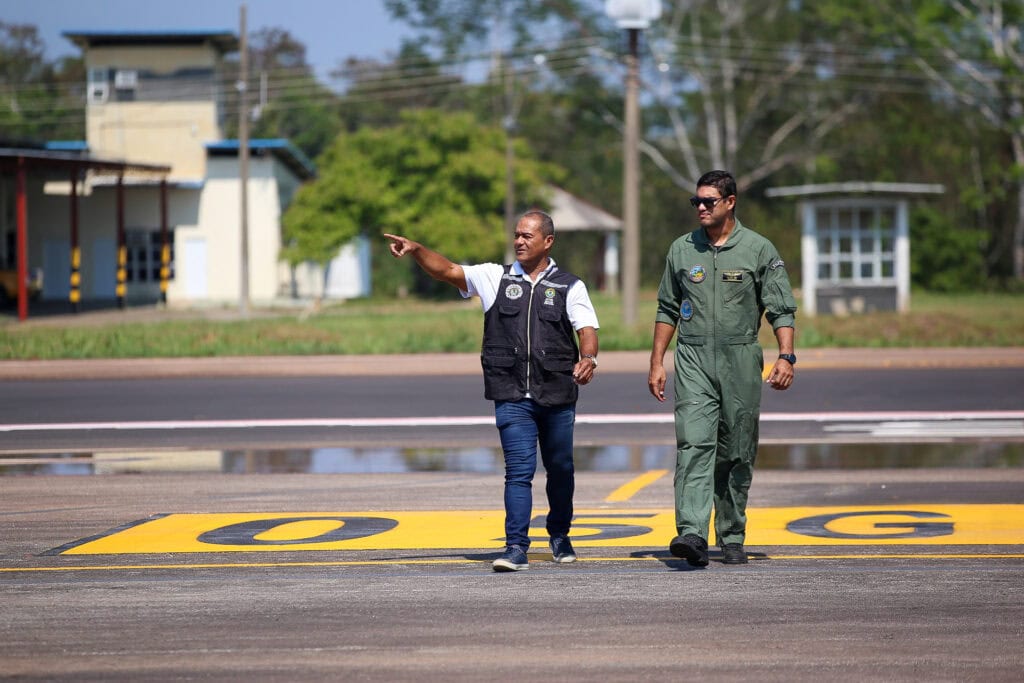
{"points": [[195, 269], [56, 270], [104, 269]]}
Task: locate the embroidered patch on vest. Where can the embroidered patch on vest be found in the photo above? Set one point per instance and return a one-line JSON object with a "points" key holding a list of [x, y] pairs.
{"points": [[697, 274], [686, 309], [549, 296], [513, 291]]}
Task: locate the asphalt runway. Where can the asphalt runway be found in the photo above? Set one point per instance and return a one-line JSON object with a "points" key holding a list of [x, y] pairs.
{"points": [[902, 574], [942, 600]]}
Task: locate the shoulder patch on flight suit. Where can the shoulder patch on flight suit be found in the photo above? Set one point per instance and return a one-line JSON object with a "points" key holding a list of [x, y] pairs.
{"points": [[686, 309], [732, 276], [777, 264]]}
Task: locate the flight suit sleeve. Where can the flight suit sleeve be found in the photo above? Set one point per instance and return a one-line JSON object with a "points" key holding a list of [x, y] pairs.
{"points": [[776, 292], [669, 295]]}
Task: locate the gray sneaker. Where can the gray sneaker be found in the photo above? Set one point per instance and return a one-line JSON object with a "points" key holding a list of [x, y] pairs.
{"points": [[513, 560], [561, 550]]}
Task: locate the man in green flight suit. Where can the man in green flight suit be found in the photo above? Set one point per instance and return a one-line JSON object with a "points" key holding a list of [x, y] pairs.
{"points": [[719, 281]]}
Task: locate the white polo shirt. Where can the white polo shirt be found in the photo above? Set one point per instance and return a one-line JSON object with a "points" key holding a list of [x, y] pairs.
{"points": [[484, 279]]}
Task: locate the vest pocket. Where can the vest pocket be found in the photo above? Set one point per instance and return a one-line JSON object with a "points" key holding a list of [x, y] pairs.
{"points": [[556, 386], [552, 363], [499, 365], [550, 313], [496, 356]]}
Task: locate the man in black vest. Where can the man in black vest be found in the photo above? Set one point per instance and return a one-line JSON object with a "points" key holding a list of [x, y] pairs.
{"points": [[533, 315]]}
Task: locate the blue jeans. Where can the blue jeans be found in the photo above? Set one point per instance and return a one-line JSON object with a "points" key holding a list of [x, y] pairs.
{"points": [[522, 425]]}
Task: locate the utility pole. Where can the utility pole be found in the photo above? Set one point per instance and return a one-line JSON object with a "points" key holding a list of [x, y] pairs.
{"points": [[243, 159], [502, 64], [631, 187], [509, 124], [634, 16]]}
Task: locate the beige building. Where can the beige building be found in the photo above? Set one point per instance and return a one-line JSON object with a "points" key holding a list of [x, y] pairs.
{"points": [[157, 99]]}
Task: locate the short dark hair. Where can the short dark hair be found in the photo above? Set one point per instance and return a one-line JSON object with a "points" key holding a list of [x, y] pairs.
{"points": [[720, 180], [547, 226]]}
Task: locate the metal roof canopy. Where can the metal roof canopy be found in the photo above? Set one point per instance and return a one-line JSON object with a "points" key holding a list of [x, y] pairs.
{"points": [[854, 187], [224, 40], [290, 155], [20, 162], [10, 158]]}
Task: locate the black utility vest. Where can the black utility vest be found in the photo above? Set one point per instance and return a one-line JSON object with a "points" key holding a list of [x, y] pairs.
{"points": [[529, 344]]}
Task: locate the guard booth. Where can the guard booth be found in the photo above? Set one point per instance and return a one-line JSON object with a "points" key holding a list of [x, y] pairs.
{"points": [[855, 244]]}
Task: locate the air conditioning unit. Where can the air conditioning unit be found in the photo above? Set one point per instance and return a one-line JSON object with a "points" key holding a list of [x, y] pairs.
{"points": [[98, 93], [126, 79], [99, 85]]}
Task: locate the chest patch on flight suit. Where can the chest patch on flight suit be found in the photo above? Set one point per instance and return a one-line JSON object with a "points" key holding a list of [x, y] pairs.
{"points": [[732, 276], [686, 309], [697, 273]]}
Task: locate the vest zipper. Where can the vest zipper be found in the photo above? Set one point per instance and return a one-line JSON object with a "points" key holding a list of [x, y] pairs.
{"points": [[529, 340]]}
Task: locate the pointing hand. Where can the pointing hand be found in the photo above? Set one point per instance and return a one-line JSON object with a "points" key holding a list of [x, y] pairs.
{"points": [[400, 246]]}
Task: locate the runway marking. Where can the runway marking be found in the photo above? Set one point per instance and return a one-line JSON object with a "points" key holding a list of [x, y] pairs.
{"points": [[488, 420], [631, 488], [442, 561], [874, 525]]}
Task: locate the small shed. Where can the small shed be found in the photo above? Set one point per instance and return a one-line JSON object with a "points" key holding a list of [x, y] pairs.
{"points": [[572, 214], [855, 244]]}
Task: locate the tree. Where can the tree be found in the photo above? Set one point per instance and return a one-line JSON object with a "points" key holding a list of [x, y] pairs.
{"points": [[752, 86], [38, 100], [437, 178], [286, 99], [456, 26], [977, 56], [969, 56], [378, 91]]}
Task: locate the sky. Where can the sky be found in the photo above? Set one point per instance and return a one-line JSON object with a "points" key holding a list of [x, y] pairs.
{"points": [[331, 30]]}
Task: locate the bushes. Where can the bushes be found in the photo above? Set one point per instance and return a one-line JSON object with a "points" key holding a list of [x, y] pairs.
{"points": [[945, 257]]}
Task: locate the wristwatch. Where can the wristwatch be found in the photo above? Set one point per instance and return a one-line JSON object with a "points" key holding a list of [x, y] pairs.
{"points": [[593, 359], [791, 357]]}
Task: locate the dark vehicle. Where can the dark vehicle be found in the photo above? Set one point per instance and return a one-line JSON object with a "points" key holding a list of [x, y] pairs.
{"points": [[9, 285]]}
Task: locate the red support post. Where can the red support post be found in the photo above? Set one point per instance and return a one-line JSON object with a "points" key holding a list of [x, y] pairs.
{"points": [[22, 239], [75, 294]]}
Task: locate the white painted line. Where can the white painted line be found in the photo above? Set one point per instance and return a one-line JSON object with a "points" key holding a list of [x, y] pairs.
{"points": [[487, 420], [921, 428], [255, 424]]}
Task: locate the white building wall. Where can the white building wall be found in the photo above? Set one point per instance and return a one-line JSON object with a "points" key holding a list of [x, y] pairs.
{"points": [[205, 228], [50, 233], [347, 278], [219, 228]]}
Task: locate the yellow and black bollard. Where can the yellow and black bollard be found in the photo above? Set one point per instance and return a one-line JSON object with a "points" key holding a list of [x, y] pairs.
{"points": [[122, 262], [75, 295]]}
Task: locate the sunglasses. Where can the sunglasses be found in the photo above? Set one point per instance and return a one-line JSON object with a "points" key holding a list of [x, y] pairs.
{"points": [[707, 202]]}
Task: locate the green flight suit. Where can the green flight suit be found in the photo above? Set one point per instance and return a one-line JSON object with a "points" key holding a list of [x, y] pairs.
{"points": [[716, 297]]}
